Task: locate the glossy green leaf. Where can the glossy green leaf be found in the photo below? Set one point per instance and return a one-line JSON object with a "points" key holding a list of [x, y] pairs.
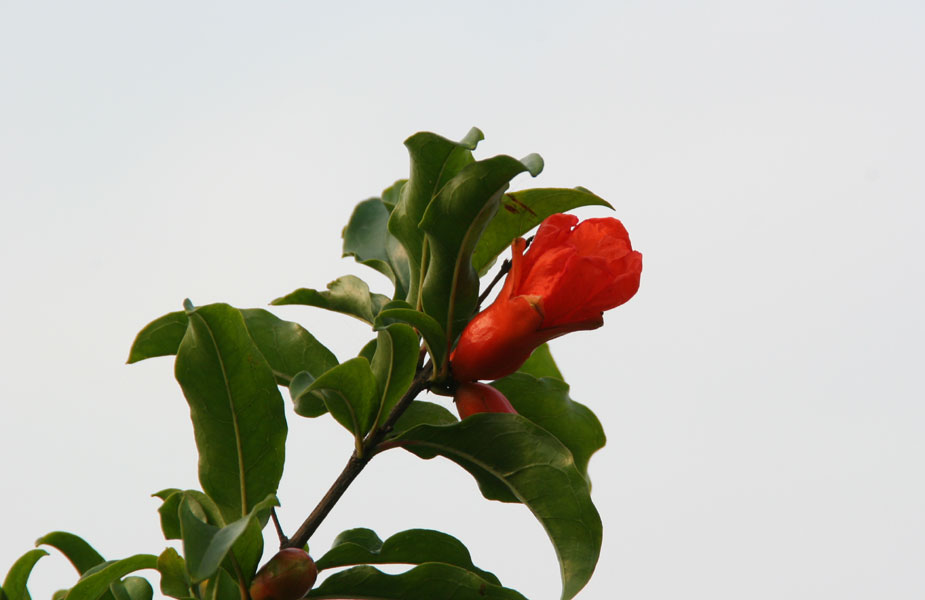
{"points": [[95, 583], [368, 351], [236, 409], [394, 365], [413, 547], [348, 295], [287, 347], [453, 223], [79, 552], [14, 584], [522, 211], [509, 452], [203, 506], [429, 328], [421, 412], [434, 161], [546, 402], [541, 364], [174, 580], [132, 588], [429, 581], [160, 337], [304, 403], [205, 546], [392, 194], [367, 239], [222, 587], [350, 393]]}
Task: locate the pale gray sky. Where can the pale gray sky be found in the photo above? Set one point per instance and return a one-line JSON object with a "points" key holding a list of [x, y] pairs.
{"points": [[762, 394]]}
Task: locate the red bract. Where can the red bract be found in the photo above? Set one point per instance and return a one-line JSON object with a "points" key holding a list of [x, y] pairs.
{"points": [[564, 282], [472, 398]]}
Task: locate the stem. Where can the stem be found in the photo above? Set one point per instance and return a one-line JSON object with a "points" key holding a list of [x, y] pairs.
{"points": [[357, 463], [505, 267], [279, 530]]}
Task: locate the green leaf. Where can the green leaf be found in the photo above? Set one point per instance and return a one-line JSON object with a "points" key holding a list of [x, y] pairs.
{"points": [[348, 295], [392, 194], [160, 337], [174, 580], [132, 588], [430, 329], [287, 347], [453, 223], [79, 552], [421, 412], [414, 547], [236, 409], [367, 239], [14, 585], [205, 546], [394, 365], [350, 393], [541, 364], [95, 583], [430, 581], [522, 211], [546, 402], [507, 451], [222, 587], [304, 403], [434, 161]]}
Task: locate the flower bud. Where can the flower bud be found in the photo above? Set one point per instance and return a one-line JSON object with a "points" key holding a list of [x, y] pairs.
{"points": [[472, 398], [287, 576], [564, 282]]}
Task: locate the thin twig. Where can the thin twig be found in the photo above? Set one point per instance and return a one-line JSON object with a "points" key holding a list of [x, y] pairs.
{"points": [[505, 267], [279, 530], [357, 462]]}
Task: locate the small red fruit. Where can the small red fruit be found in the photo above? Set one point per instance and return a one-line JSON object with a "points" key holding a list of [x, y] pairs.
{"points": [[287, 576], [472, 398]]}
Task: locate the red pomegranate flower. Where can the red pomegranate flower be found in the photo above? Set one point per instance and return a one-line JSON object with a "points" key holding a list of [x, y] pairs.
{"points": [[564, 282]]}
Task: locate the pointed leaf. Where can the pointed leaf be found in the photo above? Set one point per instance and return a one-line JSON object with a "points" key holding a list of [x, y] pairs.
{"points": [[94, 584], [414, 547], [174, 580], [546, 402], [350, 393], [236, 409], [394, 365], [14, 584], [287, 347], [507, 450], [367, 239], [434, 161], [429, 328], [205, 546], [79, 552], [160, 337], [421, 412], [522, 211], [430, 581], [453, 223], [348, 295]]}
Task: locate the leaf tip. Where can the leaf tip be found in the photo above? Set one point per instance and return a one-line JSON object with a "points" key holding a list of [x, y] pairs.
{"points": [[188, 305], [534, 163]]}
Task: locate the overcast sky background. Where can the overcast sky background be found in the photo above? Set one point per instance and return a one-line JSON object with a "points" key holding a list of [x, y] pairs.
{"points": [[762, 394]]}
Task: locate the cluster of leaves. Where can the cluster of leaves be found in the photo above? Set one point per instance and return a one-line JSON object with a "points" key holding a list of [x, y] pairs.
{"points": [[434, 235]]}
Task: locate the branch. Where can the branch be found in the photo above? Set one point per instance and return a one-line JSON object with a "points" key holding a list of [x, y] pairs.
{"points": [[357, 462]]}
